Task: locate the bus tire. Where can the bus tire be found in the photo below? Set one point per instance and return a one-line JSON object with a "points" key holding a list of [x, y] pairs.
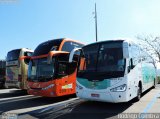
{"points": [[154, 86], [139, 92]]}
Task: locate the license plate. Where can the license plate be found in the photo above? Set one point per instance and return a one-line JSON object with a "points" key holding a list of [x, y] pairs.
{"points": [[95, 95]]}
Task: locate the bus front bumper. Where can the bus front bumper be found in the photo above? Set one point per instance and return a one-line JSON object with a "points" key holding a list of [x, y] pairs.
{"points": [[107, 96], [40, 92], [12, 84]]}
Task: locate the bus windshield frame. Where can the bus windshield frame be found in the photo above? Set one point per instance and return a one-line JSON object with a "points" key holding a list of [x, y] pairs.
{"points": [[102, 61], [45, 47], [13, 55], [41, 71]]}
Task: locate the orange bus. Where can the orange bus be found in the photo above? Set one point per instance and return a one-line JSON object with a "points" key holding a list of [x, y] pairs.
{"points": [[50, 74]]}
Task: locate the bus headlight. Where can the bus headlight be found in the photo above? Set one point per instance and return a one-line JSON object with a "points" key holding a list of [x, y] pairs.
{"points": [[119, 88], [46, 88]]}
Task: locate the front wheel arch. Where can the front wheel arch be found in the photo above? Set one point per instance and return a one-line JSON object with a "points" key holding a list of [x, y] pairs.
{"points": [[139, 91]]}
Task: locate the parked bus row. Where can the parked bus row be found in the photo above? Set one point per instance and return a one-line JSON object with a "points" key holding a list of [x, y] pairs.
{"points": [[46, 71], [109, 71], [2, 72]]}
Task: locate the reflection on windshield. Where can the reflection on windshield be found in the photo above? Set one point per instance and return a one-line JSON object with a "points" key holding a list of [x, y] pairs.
{"points": [[13, 55], [40, 70], [90, 54], [105, 59], [47, 46]]}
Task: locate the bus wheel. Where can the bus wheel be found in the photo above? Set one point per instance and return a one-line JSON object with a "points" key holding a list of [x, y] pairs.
{"points": [[139, 93], [154, 86]]}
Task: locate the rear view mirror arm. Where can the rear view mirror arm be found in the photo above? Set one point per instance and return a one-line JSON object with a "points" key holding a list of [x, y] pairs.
{"points": [[72, 54]]}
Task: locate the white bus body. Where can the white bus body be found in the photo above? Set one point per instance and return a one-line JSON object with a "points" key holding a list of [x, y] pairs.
{"points": [[128, 76]]}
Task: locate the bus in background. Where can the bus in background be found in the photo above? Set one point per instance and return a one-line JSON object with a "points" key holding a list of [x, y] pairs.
{"points": [[17, 62], [50, 74], [2, 72], [114, 71]]}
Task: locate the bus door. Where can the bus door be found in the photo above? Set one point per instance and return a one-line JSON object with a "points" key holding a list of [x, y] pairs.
{"points": [[66, 75]]}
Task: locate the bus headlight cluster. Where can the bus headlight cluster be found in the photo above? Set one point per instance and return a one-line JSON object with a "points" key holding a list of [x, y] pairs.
{"points": [[46, 88], [79, 87], [119, 88]]}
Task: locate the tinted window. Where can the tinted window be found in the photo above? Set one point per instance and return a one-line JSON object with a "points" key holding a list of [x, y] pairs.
{"points": [[45, 47], [62, 69], [69, 46], [90, 54], [72, 67], [103, 60], [2, 71], [110, 58], [40, 70], [28, 53], [13, 55], [2, 64], [65, 68]]}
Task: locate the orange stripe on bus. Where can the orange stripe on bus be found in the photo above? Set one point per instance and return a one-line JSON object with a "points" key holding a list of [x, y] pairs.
{"points": [[41, 56], [66, 40], [24, 57]]}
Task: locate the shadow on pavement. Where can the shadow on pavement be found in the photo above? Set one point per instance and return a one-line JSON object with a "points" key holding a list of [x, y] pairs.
{"points": [[13, 93], [31, 102]]}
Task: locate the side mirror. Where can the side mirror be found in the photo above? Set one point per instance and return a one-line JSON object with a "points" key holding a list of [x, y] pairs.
{"points": [[62, 69], [129, 69], [131, 66], [72, 54]]}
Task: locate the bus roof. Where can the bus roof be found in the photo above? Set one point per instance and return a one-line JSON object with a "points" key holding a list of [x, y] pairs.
{"points": [[99, 42], [114, 40], [47, 46], [60, 40], [25, 49], [68, 39]]}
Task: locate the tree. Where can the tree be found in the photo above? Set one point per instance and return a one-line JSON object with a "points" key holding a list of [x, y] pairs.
{"points": [[150, 44]]}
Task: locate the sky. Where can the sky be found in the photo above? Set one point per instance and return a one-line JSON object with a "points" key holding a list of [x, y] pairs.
{"points": [[27, 23]]}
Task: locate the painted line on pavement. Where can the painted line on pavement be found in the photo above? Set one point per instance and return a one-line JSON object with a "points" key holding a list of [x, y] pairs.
{"points": [[150, 105], [39, 108], [2, 91], [15, 99]]}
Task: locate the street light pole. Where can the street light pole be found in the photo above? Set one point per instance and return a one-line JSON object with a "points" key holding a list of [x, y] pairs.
{"points": [[96, 23]]}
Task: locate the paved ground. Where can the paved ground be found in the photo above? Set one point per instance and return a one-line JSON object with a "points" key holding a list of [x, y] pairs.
{"points": [[33, 107]]}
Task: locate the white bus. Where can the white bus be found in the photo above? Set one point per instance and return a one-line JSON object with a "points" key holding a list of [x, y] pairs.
{"points": [[114, 71]]}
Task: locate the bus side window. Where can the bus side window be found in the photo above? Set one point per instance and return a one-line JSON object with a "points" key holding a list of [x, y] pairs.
{"points": [[28, 54], [71, 67], [62, 69], [69, 46], [82, 65], [26, 60]]}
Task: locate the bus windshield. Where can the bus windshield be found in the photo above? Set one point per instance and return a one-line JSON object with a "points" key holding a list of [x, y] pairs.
{"points": [[39, 70], [2, 71], [13, 55], [106, 59], [44, 48]]}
